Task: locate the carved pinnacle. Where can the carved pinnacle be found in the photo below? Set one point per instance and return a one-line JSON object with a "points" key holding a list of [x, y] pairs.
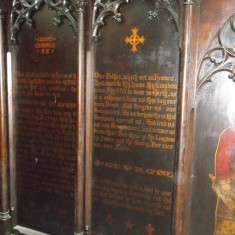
{"points": [[188, 2], [80, 4]]}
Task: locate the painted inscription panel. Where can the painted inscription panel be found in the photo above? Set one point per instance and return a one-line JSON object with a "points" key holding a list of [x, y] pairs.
{"points": [[45, 74], [136, 89]]}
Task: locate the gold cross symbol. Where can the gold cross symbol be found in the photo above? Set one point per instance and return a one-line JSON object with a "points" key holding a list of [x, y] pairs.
{"points": [[150, 229], [134, 40]]}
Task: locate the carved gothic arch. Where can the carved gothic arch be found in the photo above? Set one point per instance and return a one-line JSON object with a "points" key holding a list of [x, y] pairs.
{"points": [[220, 54], [22, 12], [106, 8]]}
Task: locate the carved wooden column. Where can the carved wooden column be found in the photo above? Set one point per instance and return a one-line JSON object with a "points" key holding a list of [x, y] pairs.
{"points": [[185, 123], [4, 206], [79, 198], [89, 145]]}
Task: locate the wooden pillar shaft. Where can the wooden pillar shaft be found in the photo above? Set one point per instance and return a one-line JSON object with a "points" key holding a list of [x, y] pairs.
{"points": [[4, 207], [89, 145], [79, 226], [186, 122]]}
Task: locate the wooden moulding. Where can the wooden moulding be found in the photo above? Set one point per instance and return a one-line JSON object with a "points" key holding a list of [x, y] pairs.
{"points": [[185, 125], [79, 198], [4, 205]]}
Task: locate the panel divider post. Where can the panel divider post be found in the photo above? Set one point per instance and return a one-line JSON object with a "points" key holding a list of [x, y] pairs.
{"points": [[12, 143], [182, 188], [89, 145], [4, 203], [79, 195]]}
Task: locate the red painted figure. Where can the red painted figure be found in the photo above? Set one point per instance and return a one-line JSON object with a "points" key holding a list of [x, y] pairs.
{"points": [[225, 183]]}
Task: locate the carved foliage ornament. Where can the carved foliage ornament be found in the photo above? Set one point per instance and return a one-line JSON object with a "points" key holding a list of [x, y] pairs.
{"points": [[103, 9], [220, 55], [22, 12], [165, 6], [106, 8]]}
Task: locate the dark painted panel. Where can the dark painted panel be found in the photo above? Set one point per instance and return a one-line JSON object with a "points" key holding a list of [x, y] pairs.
{"points": [[45, 73], [135, 123], [212, 185]]}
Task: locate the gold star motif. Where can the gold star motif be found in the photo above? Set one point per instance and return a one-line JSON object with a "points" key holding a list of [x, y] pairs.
{"points": [[32, 205], [109, 219], [150, 230], [129, 225], [61, 212], [46, 208]]}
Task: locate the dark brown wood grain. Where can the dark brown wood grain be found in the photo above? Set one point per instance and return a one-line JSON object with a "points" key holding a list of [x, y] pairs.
{"points": [[207, 17], [4, 202], [28, 154]]}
